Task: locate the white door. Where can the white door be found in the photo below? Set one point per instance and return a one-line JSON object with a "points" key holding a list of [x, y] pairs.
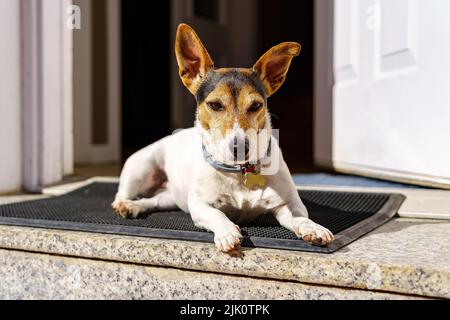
{"points": [[391, 98]]}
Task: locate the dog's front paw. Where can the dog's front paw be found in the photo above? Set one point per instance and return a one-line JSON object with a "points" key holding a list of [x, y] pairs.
{"points": [[228, 239], [312, 232], [126, 208]]}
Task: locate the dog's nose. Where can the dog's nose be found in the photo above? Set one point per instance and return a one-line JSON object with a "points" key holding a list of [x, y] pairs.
{"points": [[238, 145]]}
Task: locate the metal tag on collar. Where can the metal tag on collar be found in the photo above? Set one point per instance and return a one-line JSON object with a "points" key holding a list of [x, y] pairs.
{"points": [[252, 178]]}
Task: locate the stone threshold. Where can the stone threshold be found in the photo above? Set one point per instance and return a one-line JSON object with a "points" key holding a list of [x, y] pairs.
{"points": [[28, 275], [405, 256]]}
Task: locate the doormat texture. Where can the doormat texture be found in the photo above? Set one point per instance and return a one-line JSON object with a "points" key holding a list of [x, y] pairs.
{"points": [[348, 215]]}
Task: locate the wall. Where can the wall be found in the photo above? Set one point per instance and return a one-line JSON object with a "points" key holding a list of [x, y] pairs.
{"points": [[35, 95], [10, 99]]}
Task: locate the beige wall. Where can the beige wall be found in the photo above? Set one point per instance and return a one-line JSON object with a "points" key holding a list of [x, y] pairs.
{"points": [[35, 98], [10, 100]]}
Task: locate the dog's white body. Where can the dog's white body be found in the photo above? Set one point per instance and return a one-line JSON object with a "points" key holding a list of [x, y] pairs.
{"points": [[232, 116], [213, 198]]}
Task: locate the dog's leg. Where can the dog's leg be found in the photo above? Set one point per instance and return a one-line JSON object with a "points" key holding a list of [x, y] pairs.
{"points": [[140, 175], [227, 235], [296, 220], [132, 208]]}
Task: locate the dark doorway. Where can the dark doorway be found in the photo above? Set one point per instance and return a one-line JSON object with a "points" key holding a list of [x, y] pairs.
{"points": [[145, 73], [292, 105]]}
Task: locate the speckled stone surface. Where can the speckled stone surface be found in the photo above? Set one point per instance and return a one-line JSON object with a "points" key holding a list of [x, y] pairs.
{"points": [[21, 198], [40, 276], [403, 256]]}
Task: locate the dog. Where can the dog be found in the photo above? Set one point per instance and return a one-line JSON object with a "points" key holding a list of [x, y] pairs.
{"points": [[215, 170]]}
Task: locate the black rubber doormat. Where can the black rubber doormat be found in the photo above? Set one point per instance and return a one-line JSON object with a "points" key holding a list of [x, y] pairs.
{"points": [[348, 215]]}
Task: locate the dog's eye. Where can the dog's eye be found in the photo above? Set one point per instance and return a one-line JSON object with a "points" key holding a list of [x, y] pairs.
{"points": [[255, 107], [215, 106]]}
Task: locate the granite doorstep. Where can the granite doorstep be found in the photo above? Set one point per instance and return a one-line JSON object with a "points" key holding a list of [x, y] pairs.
{"points": [[403, 256], [409, 256], [25, 275], [21, 198]]}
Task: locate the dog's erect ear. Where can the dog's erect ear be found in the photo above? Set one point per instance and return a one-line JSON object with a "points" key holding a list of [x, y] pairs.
{"points": [[193, 60], [273, 66]]}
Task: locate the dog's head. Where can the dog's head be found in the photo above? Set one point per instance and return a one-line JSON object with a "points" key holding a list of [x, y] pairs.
{"points": [[232, 102]]}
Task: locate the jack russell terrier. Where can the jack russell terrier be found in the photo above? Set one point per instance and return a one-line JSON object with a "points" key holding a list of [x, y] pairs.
{"points": [[221, 171]]}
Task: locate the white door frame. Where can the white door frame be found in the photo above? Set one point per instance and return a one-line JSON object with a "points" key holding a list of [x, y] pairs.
{"points": [[47, 132], [323, 83], [10, 97], [85, 152], [46, 93]]}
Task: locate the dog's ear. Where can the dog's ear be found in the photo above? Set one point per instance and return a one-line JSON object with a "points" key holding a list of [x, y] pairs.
{"points": [[193, 60], [273, 66]]}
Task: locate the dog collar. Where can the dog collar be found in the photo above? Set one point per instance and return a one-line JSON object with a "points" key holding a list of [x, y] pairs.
{"points": [[238, 168]]}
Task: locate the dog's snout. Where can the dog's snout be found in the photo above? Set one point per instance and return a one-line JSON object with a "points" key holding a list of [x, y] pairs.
{"points": [[239, 146]]}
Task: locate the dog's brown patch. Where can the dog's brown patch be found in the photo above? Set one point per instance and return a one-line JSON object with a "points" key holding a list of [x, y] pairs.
{"points": [[248, 119], [122, 209], [235, 89], [218, 120], [236, 103]]}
